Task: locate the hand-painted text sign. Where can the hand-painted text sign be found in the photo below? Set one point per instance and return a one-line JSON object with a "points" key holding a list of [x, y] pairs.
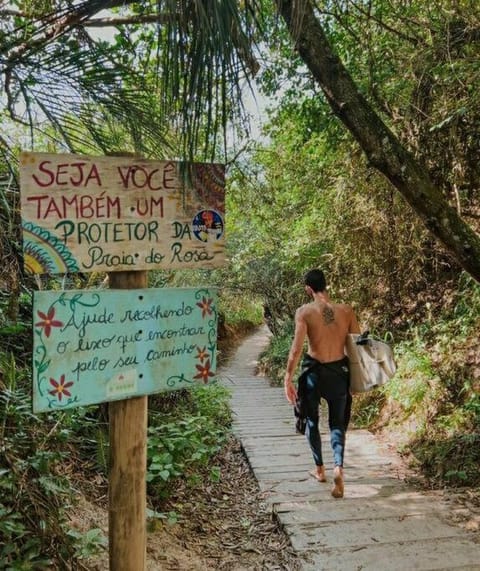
{"points": [[88, 214], [104, 345]]}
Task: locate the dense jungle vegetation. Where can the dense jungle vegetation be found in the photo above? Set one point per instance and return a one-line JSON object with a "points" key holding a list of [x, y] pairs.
{"points": [[370, 173]]}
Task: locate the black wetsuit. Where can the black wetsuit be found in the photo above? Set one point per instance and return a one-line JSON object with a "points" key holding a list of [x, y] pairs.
{"points": [[329, 381]]}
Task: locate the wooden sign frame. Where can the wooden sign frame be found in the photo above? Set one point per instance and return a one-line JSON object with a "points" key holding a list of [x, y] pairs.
{"points": [[93, 214], [102, 345]]}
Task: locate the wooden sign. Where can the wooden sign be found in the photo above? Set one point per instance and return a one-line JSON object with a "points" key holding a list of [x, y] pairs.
{"points": [[88, 214], [105, 345]]}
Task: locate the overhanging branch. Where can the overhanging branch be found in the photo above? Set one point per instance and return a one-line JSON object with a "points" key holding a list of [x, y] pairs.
{"points": [[383, 149], [126, 20]]}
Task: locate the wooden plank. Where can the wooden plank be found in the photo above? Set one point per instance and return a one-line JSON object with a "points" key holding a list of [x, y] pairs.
{"points": [[398, 505], [127, 521], [281, 492], [302, 471], [369, 531], [449, 554]]}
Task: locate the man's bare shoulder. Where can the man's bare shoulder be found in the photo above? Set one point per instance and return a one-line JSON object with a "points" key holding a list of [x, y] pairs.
{"points": [[344, 307], [304, 310]]}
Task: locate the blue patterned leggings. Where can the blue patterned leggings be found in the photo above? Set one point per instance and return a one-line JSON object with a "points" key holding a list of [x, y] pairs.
{"points": [[329, 381]]}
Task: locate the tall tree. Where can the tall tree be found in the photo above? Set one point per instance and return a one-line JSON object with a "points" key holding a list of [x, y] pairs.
{"points": [[206, 48], [382, 148], [169, 62]]}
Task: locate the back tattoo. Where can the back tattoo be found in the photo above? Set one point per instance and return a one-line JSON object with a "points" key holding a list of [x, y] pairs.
{"points": [[328, 315]]}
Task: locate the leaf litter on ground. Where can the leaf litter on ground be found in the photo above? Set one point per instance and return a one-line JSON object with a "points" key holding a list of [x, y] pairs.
{"points": [[222, 524]]}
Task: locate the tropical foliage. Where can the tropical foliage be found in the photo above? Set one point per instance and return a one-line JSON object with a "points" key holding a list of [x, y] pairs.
{"points": [[369, 155]]}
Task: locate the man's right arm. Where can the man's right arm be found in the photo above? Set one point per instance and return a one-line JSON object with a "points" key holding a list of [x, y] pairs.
{"points": [[294, 355]]}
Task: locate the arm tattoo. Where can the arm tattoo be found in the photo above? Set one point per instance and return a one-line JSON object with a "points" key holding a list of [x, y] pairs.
{"points": [[328, 315]]}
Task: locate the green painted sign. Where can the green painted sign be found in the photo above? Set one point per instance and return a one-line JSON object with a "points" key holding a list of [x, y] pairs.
{"points": [[97, 346]]}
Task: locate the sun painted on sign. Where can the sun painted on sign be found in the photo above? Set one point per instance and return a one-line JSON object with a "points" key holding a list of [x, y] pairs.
{"points": [[44, 253], [92, 347]]}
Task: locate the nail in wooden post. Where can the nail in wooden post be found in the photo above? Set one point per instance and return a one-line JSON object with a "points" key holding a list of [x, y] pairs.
{"points": [[128, 465]]}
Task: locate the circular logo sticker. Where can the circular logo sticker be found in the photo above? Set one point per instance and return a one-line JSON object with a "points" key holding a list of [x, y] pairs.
{"points": [[207, 225]]}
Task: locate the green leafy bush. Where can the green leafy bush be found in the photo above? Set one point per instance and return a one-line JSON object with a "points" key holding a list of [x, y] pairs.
{"points": [[35, 493], [274, 359], [411, 382], [367, 408], [189, 437], [241, 312], [19, 548], [452, 460]]}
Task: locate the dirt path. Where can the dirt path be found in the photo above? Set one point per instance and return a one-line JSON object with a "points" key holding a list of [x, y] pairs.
{"points": [[224, 525]]}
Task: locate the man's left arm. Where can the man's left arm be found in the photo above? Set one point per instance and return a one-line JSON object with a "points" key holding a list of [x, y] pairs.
{"points": [[354, 327]]}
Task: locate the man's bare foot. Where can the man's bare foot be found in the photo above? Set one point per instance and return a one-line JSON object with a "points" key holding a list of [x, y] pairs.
{"points": [[319, 474], [337, 490]]}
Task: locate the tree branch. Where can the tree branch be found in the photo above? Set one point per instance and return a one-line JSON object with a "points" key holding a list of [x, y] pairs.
{"points": [[127, 20], [382, 148], [54, 26], [370, 16], [15, 13]]}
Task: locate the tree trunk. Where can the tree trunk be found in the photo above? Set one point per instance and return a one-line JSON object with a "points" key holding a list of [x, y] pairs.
{"points": [[384, 151]]}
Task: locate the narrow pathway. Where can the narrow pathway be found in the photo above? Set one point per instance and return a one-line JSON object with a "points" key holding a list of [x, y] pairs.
{"points": [[382, 524]]}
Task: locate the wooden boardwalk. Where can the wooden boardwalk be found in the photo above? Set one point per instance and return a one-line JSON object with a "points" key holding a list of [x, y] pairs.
{"points": [[381, 524]]}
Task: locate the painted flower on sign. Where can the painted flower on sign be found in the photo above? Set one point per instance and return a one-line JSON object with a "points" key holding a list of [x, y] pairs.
{"points": [[60, 388], [204, 372], [202, 354], [206, 306], [48, 321]]}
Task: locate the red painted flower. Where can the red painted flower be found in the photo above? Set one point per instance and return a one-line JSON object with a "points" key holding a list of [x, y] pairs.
{"points": [[205, 372], [205, 306], [48, 321], [60, 388], [202, 354]]}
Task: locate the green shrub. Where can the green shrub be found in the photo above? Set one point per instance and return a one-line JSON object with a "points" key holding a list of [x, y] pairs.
{"points": [[410, 384], [450, 460], [241, 311], [366, 408], [189, 437], [19, 548], [35, 493], [274, 359]]}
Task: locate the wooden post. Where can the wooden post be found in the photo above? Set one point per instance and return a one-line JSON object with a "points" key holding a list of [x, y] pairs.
{"points": [[128, 465]]}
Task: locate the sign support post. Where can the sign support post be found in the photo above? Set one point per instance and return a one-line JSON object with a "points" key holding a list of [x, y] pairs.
{"points": [[126, 216], [127, 466]]}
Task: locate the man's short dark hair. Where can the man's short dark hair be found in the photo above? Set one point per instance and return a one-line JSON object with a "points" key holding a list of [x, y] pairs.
{"points": [[316, 280]]}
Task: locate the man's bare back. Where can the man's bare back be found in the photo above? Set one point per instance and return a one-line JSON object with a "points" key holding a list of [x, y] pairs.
{"points": [[327, 327]]}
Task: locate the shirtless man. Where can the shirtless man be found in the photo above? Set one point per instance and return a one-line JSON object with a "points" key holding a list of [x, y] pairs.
{"points": [[325, 371]]}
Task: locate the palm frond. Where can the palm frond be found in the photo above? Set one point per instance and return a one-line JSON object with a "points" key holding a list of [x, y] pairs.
{"points": [[201, 47], [208, 46]]}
